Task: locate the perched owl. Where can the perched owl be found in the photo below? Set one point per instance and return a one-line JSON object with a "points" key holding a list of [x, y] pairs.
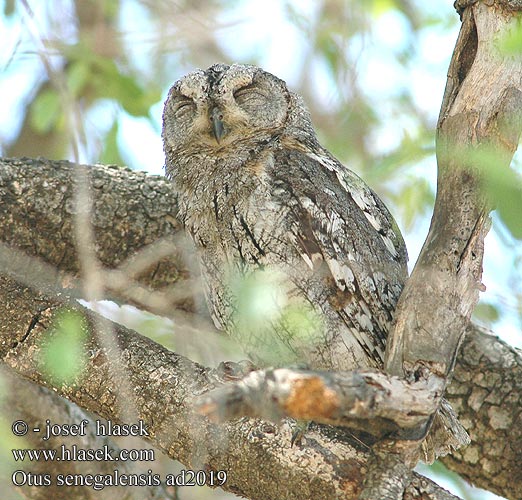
{"points": [[265, 203], [274, 215]]}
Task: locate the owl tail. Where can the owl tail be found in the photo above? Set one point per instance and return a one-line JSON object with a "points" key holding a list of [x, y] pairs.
{"points": [[446, 434]]}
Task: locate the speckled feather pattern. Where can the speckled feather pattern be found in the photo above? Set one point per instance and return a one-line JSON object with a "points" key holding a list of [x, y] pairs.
{"points": [[268, 196]]}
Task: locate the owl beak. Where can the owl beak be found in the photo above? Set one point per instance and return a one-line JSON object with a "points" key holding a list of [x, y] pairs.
{"points": [[218, 127]]}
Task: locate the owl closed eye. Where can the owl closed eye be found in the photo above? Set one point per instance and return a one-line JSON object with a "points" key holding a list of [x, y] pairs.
{"points": [[184, 107]]}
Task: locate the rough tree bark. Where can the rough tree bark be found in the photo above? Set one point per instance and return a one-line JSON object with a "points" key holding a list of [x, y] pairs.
{"points": [[27, 401], [481, 113], [488, 373], [160, 387], [132, 210]]}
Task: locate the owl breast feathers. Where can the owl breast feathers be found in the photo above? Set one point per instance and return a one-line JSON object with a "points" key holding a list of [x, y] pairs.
{"points": [[301, 260]]}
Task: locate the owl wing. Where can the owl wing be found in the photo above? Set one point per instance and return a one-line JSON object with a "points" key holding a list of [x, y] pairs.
{"points": [[343, 231], [366, 200]]}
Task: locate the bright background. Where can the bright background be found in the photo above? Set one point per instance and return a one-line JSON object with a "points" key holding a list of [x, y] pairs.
{"points": [[371, 71]]}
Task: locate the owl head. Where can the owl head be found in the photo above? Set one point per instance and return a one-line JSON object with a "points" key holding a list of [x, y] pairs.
{"points": [[227, 107]]}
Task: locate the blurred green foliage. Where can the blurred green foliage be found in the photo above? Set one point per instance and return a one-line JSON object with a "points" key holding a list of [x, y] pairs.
{"points": [[486, 313], [510, 43], [63, 356], [267, 322], [45, 111], [503, 186], [92, 74]]}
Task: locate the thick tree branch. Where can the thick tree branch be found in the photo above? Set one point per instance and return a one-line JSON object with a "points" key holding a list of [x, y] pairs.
{"points": [[370, 401], [486, 391], [480, 117], [130, 211], [160, 387], [25, 401], [477, 116], [481, 353]]}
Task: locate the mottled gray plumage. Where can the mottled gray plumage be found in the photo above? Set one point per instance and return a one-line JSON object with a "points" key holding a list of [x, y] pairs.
{"points": [[257, 191], [268, 206]]}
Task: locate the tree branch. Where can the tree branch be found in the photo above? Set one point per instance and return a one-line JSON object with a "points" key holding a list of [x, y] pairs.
{"points": [[481, 353], [25, 401], [439, 297], [131, 211], [160, 386], [450, 261], [480, 115], [486, 391], [479, 118], [373, 402]]}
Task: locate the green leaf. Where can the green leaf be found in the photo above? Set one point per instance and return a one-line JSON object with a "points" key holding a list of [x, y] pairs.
{"points": [[382, 6], [509, 210], [414, 198], [63, 357], [486, 312], [110, 82], [268, 323], [133, 98], [501, 184], [510, 42], [45, 111], [78, 76], [110, 8], [504, 187], [301, 321], [260, 297], [111, 151], [330, 51]]}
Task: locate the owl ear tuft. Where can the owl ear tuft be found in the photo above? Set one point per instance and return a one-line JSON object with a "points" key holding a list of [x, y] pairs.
{"points": [[216, 72]]}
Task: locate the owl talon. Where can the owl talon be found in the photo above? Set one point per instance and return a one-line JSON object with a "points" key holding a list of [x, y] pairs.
{"points": [[301, 426], [230, 370]]}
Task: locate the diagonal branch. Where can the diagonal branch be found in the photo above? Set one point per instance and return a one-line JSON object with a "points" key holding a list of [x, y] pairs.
{"points": [[161, 386]]}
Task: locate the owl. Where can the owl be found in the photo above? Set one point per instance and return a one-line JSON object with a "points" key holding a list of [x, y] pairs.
{"points": [[277, 219], [301, 261]]}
